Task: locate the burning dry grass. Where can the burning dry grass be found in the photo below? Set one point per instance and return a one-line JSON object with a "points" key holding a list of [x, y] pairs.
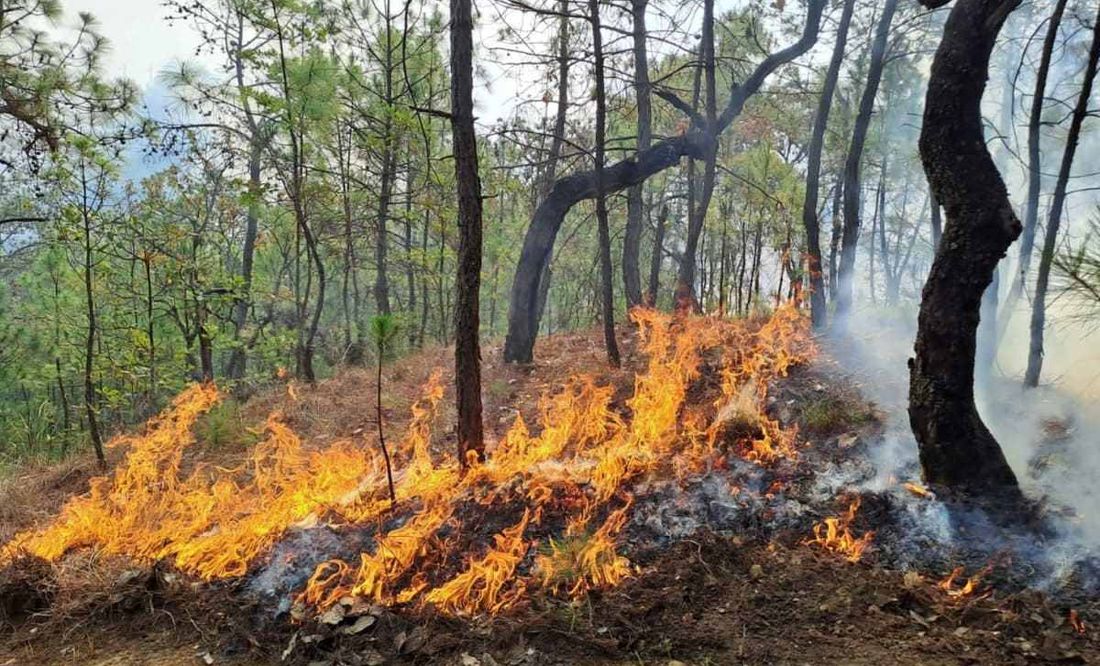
{"points": [[573, 478], [835, 534]]}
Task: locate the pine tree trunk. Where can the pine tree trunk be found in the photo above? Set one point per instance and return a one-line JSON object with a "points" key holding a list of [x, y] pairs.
{"points": [[471, 441], [810, 222], [685, 296], [91, 401], [957, 451], [1034, 167], [852, 179], [632, 237], [607, 287], [654, 282], [1057, 206]]}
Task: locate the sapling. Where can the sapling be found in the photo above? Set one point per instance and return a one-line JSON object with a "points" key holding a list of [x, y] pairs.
{"points": [[383, 330]]}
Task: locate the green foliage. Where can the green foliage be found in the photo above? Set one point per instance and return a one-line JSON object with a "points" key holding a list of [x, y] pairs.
{"points": [[829, 414], [383, 333], [224, 427]]}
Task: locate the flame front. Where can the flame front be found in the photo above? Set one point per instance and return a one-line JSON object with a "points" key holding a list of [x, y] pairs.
{"points": [[580, 468]]}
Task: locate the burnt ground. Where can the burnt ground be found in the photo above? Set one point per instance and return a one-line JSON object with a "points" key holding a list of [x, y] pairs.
{"points": [[739, 586]]}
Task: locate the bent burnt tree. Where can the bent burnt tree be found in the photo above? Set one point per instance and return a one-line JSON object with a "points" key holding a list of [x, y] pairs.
{"points": [[523, 315], [957, 450]]}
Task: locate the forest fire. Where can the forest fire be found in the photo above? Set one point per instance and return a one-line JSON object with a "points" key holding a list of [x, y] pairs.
{"points": [[1076, 622], [956, 590], [568, 490], [835, 534], [917, 490]]}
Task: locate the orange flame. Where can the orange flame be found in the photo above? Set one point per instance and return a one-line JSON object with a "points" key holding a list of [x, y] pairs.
{"points": [[957, 591], [835, 534], [918, 490], [1076, 622], [581, 458]]}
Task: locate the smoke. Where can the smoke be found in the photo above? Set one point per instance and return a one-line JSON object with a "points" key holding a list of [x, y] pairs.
{"points": [[1049, 436]]}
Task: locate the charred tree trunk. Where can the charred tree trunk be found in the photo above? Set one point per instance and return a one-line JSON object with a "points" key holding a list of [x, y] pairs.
{"points": [[557, 142], [607, 286], [834, 241], [685, 280], [471, 442], [632, 237], [852, 187], [91, 399], [957, 451], [243, 301], [655, 258], [523, 316], [1057, 205], [810, 221]]}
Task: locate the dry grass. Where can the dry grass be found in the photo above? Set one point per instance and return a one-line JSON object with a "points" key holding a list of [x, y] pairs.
{"points": [[342, 407]]}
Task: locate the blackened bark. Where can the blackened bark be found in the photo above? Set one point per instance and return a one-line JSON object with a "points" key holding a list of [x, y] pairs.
{"points": [[834, 241], [607, 287], [557, 142], [810, 222], [523, 317], [957, 451], [471, 441], [1057, 206], [632, 237], [242, 302], [91, 395], [655, 258], [685, 279], [852, 180], [238, 358]]}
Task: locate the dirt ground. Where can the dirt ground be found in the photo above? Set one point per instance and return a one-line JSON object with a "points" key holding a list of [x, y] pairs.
{"points": [[711, 599]]}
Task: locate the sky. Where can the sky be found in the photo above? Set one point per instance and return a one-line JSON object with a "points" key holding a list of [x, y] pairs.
{"points": [[142, 42]]}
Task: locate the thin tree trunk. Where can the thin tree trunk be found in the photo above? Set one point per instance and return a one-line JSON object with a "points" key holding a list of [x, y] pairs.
{"points": [[1034, 168], [632, 237], [557, 142], [685, 280], [381, 275], [852, 180], [1057, 205], [654, 281], [834, 242], [471, 441], [607, 286], [91, 402], [242, 302], [818, 314]]}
